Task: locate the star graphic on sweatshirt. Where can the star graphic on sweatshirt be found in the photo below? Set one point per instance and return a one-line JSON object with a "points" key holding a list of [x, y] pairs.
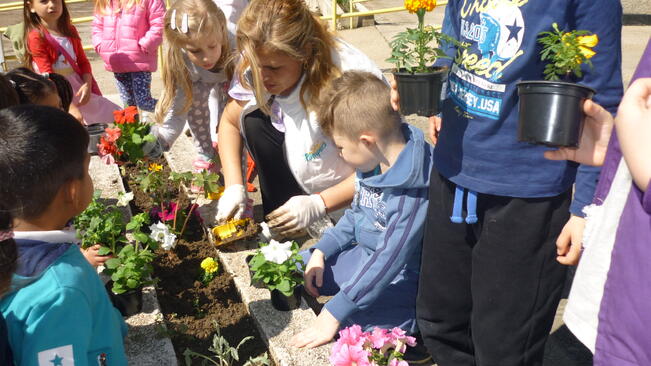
{"points": [[57, 361], [513, 30]]}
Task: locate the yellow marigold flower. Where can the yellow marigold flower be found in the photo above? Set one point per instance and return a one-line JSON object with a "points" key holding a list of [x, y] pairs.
{"points": [[414, 5], [153, 167], [209, 265]]}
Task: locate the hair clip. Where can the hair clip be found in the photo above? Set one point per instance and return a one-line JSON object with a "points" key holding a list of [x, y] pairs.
{"points": [[173, 20], [6, 235], [184, 23], [13, 83]]}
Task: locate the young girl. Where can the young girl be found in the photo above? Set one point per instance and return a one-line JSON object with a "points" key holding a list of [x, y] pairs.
{"points": [[53, 45], [288, 57], [193, 76], [126, 34]]}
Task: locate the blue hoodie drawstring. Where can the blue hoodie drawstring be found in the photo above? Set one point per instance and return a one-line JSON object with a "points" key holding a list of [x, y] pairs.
{"points": [[471, 206]]}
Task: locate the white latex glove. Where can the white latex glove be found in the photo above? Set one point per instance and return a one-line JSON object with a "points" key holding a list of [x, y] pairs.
{"points": [[232, 203], [153, 149], [296, 214]]}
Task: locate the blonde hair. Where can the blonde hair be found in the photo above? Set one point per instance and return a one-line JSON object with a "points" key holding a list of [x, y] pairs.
{"points": [[204, 19], [105, 7], [289, 27], [355, 103]]}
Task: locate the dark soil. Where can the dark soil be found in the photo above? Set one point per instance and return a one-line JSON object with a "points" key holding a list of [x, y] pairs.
{"points": [[190, 308]]}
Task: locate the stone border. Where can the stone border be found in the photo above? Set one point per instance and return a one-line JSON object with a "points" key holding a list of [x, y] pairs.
{"points": [[276, 327], [147, 342]]}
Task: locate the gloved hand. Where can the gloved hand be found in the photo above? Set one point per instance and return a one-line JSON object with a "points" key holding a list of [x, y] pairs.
{"points": [[296, 214], [232, 203], [153, 149]]}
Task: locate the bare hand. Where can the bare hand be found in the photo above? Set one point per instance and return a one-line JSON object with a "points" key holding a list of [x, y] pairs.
{"points": [[434, 128], [92, 256], [322, 330], [594, 139], [83, 93], [569, 242], [314, 273], [395, 97]]}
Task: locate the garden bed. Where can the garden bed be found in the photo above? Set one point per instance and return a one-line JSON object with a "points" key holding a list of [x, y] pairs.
{"points": [[191, 308]]}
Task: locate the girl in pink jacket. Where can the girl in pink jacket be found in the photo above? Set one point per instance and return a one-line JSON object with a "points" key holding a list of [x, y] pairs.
{"points": [[126, 34]]}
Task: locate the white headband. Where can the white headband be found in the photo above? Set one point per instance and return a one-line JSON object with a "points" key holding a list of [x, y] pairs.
{"points": [[184, 22]]}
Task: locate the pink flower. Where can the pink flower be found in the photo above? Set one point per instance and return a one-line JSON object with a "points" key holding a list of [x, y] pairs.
{"points": [[348, 355], [379, 337], [352, 335], [397, 362]]}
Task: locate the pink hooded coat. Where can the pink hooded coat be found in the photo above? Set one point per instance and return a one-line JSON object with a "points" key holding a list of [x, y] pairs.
{"points": [[128, 40]]}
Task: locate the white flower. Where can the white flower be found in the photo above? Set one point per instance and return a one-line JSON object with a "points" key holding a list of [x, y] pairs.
{"points": [[277, 252], [124, 198], [161, 233], [265, 232]]}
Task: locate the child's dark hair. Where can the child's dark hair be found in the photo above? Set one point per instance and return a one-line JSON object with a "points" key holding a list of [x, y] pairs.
{"points": [[8, 95], [41, 149], [63, 88], [30, 86]]}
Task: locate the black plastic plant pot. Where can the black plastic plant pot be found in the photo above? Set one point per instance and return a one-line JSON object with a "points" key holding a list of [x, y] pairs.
{"points": [[254, 283], [420, 93], [551, 112], [128, 303], [94, 133], [286, 303]]}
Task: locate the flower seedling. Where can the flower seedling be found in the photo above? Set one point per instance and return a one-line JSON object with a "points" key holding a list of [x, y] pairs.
{"points": [[209, 268], [126, 141], [132, 267], [101, 224], [276, 266], [414, 50], [375, 348], [565, 52], [161, 233]]}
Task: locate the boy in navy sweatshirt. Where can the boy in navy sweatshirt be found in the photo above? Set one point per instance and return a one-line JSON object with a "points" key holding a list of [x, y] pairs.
{"points": [[502, 219], [369, 261]]}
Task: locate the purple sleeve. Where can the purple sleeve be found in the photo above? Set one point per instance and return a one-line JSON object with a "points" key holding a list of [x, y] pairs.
{"points": [[646, 199]]}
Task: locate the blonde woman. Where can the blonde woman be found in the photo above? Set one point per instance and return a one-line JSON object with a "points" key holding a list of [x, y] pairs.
{"points": [[126, 34], [287, 58], [193, 76]]}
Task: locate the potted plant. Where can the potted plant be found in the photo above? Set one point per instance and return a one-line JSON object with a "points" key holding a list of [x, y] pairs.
{"points": [[412, 51], [127, 140], [276, 266], [375, 348], [551, 111], [102, 224], [130, 270]]}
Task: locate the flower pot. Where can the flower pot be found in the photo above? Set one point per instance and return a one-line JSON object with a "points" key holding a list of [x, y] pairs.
{"points": [[254, 283], [551, 112], [420, 93], [286, 303], [128, 303], [94, 133]]}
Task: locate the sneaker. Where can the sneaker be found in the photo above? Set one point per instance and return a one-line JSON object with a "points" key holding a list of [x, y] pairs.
{"points": [[418, 355]]}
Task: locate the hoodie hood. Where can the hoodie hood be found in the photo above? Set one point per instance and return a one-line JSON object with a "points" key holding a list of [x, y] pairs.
{"points": [[34, 257], [411, 169]]}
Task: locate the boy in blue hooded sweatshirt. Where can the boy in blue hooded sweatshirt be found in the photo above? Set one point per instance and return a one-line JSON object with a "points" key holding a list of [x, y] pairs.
{"points": [[57, 310], [369, 262]]}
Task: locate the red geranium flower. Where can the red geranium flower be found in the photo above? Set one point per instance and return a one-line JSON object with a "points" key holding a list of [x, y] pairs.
{"points": [[130, 114], [119, 117], [112, 134]]}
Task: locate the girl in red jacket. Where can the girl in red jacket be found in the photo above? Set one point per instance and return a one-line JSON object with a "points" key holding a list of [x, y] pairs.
{"points": [[126, 34], [53, 45]]}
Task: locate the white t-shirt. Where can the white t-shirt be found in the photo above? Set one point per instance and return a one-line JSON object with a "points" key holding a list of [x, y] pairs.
{"points": [[61, 65]]}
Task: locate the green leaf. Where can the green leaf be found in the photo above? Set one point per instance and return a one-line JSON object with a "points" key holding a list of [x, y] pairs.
{"points": [[112, 263]]}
